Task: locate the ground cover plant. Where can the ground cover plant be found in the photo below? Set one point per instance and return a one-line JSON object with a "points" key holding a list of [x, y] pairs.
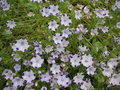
{"points": [[59, 45]]}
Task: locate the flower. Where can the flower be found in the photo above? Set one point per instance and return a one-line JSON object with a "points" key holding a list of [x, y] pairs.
{"points": [[83, 48], [102, 13], [57, 38], [38, 50], [11, 24], [91, 70], [53, 25], [106, 53], [118, 25], [66, 32], [107, 72], [45, 12], [115, 80], [4, 5], [16, 57], [54, 9], [55, 69], [87, 60], [94, 32], [17, 82], [37, 61], [104, 29], [20, 45], [112, 63], [10, 88], [86, 10], [66, 20], [28, 76], [8, 74], [78, 14], [75, 60], [45, 77], [78, 79], [44, 88], [64, 58], [48, 49], [63, 80], [86, 85], [17, 67]]}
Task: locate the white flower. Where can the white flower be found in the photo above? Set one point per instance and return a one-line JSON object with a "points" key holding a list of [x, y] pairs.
{"points": [[83, 48], [86, 10], [51, 60], [6, 6], [28, 76], [11, 24], [17, 82], [53, 25], [8, 74], [80, 37], [66, 32], [112, 63], [54, 9], [38, 50], [8, 31], [48, 49], [78, 14], [91, 70], [10, 88], [17, 67], [94, 32], [64, 58], [87, 60], [16, 57], [55, 69], [118, 25], [107, 72], [106, 53], [75, 60], [44, 88], [55, 54], [45, 12], [115, 80], [30, 14], [78, 79], [86, 85], [118, 4], [64, 81], [20, 45], [104, 29], [57, 38], [66, 20], [37, 61], [64, 43], [81, 28], [60, 48], [46, 77], [101, 13]]}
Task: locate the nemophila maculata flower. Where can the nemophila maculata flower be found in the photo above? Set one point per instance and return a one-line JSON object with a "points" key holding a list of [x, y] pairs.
{"points": [[20, 45], [102, 13], [54, 9], [78, 14], [66, 32], [10, 88], [4, 5], [75, 60], [91, 70], [78, 79], [39, 1], [48, 49], [18, 82], [118, 25], [38, 50], [107, 72], [94, 32], [83, 48], [86, 85], [63, 80], [8, 74], [44, 88], [65, 20], [115, 79], [17, 67], [45, 12], [28, 76], [45, 77], [55, 69], [11, 24], [36, 61], [57, 38], [53, 25], [16, 57], [87, 60]]}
